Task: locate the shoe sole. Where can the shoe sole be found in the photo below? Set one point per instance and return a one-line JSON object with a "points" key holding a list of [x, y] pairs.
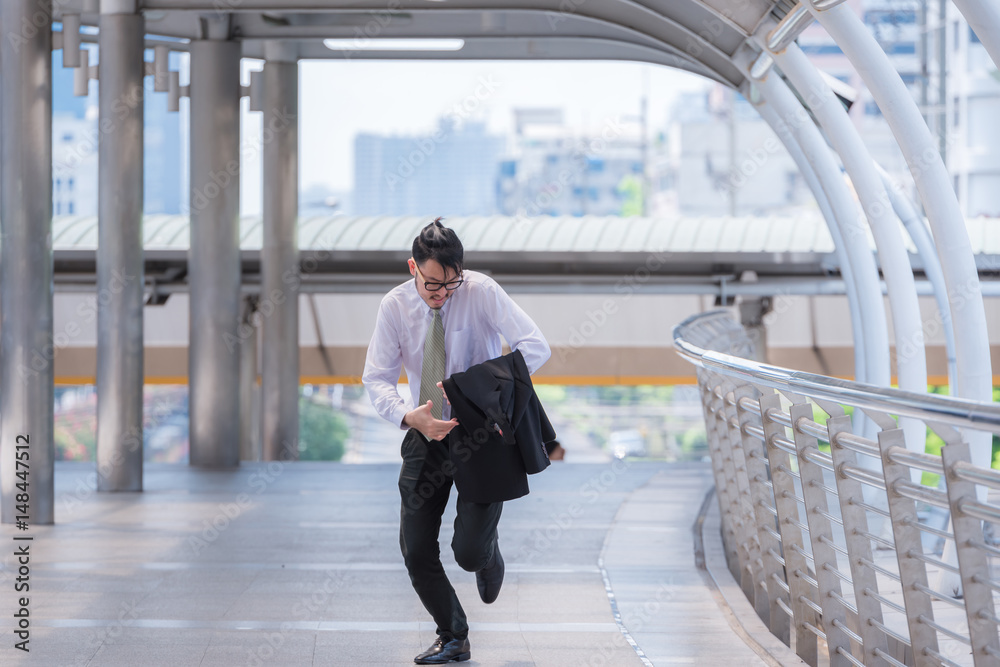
{"points": [[461, 657]]}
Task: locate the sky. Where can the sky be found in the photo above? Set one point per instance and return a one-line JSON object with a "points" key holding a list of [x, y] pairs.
{"points": [[339, 99]]}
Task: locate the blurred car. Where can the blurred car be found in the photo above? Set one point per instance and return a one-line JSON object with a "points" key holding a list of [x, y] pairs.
{"points": [[626, 443]]}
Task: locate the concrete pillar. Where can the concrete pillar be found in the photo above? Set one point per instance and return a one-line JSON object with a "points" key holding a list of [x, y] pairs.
{"points": [[119, 253], [752, 312], [214, 256], [26, 344], [279, 297], [250, 449]]}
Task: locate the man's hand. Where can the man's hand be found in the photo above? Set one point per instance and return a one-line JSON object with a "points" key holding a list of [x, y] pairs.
{"points": [[422, 420]]}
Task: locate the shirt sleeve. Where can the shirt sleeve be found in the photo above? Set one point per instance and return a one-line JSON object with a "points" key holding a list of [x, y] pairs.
{"points": [[516, 327], [383, 365]]}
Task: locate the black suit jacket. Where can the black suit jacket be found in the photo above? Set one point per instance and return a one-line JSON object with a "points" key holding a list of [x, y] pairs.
{"points": [[502, 429]]}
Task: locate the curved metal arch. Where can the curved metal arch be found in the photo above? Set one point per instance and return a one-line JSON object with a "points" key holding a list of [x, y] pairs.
{"points": [[623, 13], [437, 28]]}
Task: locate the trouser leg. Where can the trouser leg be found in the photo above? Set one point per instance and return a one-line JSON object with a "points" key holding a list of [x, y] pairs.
{"points": [[475, 534], [424, 486]]}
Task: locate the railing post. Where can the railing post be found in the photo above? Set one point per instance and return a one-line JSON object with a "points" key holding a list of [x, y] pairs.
{"points": [[750, 574], [821, 538], [906, 535], [787, 507], [738, 547], [760, 495], [723, 491], [973, 564], [859, 547]]}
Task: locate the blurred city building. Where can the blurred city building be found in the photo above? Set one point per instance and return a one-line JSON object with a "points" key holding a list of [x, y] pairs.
{"points": [[553, 170], [726, 160], [450, 172], [75, 141]]}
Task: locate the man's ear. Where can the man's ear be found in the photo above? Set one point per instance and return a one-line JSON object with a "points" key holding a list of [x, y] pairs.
{"points": [[412, 266]]}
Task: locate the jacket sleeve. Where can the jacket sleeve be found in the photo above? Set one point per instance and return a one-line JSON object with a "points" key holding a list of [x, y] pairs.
{"points": [[383, 365], [516, 326]]}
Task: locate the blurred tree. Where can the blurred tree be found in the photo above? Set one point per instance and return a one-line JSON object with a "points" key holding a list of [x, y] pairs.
{"points": [[323, 432]]}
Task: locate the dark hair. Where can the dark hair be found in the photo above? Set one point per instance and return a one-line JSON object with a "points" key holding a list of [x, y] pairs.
{"points": [[439, 243]]}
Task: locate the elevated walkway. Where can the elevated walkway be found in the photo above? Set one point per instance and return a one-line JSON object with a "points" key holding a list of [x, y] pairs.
{"points": [[299, 564]]}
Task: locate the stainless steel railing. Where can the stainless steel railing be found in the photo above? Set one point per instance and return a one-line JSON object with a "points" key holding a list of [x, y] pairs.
{"points": [[854, 551]]}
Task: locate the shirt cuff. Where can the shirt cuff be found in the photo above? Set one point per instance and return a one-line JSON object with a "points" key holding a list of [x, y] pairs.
{"points": [[398, 414]]}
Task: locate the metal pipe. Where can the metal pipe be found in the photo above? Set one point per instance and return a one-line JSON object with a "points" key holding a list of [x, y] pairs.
{"points": [[71, 40], [921, 237], [853, 236], [984, 19], [120, 263], [81, 76], [960, 412], [279, 263], [850, 283], [874, 329], [26, 348], [970, 473], [789, 28], [249, 389], [911, 360], [214, 266]]}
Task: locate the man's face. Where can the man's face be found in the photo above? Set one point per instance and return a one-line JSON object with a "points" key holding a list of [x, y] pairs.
{"points": [[432, 272]]}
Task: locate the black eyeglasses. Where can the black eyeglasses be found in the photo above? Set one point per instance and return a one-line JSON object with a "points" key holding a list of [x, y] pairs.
{"points": [[431, 286]]}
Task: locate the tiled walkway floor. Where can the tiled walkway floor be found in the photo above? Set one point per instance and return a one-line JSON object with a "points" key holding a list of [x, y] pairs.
{"points": [[299, 564]]}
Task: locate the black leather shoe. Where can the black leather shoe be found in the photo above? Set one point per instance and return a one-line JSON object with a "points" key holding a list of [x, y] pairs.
{"points": [[445, 650], [490, 578]]}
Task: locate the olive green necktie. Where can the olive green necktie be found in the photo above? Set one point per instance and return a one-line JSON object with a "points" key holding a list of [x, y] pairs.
{"points": [[432, 368]]}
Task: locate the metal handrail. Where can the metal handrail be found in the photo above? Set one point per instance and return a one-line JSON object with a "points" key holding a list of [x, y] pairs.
{"points": [[798, 521], [931, 408]]}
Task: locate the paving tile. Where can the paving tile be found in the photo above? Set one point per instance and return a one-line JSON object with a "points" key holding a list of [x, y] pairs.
{"points": [[310, 573]]}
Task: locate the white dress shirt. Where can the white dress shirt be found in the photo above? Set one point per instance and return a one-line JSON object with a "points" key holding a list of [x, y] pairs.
{"points": [[474, 318]]}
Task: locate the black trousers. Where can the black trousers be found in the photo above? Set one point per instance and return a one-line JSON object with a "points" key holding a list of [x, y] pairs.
{"points": [[424, 485]]}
